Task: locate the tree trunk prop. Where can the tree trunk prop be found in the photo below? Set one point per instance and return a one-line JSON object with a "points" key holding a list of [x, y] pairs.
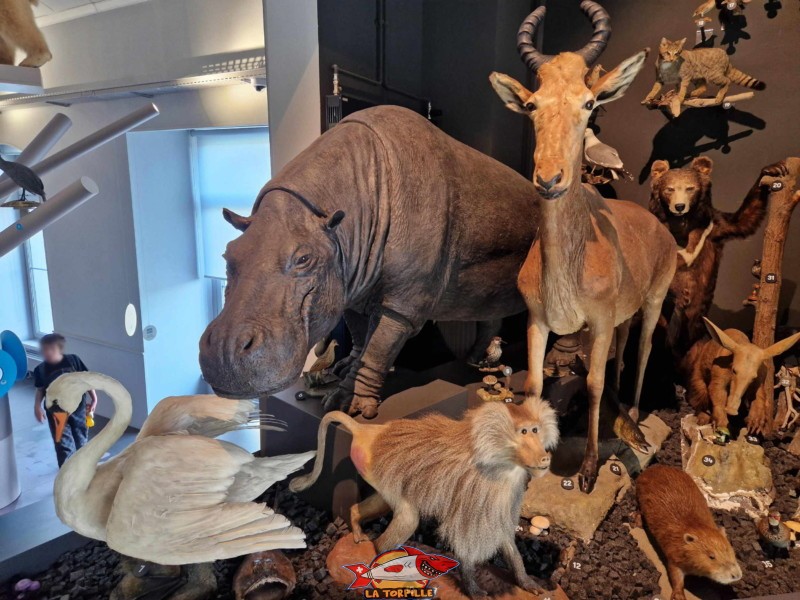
{"points": [[783, 199]]}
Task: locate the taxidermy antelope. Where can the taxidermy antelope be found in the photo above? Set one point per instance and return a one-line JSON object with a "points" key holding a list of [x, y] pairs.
{"points": [[596, 262]]}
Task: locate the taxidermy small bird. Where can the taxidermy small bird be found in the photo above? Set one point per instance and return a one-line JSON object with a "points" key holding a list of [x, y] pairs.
{"points": [[596, 154], [774, 532], [493, 353], [24, 177]]}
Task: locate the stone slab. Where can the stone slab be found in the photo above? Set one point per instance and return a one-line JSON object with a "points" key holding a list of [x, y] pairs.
{"points": [[731, 477], [495, 581], [558, 497], [339, 485]]}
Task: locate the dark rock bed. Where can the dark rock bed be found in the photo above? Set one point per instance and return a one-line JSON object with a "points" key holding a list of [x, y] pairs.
{"points": [[610, 567]]}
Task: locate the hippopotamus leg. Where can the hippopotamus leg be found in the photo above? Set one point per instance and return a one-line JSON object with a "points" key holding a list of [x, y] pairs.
{"points": [[486, 330], [360, 390], [358, 326]]}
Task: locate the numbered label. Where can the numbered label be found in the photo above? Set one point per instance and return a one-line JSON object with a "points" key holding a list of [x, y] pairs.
{"points": [[708, 460], [752, 439], [771, 278], [567, 484], [508, 400], [615, 469], [767, 564], [777, 185], [576, 565]]}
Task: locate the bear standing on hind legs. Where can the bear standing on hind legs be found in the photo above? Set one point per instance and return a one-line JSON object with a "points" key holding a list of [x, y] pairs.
{"points": [[681, 199], [18, 29]]}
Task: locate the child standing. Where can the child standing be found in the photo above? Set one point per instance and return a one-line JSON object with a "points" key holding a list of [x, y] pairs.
{"points": [[56, 363]]}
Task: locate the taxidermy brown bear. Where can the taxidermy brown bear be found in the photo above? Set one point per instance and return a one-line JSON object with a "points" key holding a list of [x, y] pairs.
{"points": [[18, 29], [681, 199]]}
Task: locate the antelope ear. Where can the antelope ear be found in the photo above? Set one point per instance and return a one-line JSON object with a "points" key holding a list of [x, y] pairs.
{"points": [[515, 95], [780, 347], [703, 164], [719, 336], [238, 221], [613, 85], [658, 169], [334, 221]]}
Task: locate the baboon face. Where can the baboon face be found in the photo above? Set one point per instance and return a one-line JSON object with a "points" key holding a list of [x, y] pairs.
{"points": [[531, 453]]}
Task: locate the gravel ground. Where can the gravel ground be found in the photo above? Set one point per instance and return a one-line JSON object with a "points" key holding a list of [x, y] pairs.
{"points": [[610, 567]]}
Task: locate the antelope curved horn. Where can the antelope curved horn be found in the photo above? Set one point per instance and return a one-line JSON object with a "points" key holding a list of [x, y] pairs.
{"points": [[526, 46], [601, 22]]}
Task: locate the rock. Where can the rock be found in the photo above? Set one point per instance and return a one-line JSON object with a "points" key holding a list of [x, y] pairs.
{"points": [[734, 476], [347, 552], [558, 498]]}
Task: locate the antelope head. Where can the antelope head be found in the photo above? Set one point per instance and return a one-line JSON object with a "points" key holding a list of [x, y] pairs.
{"points": [[561, 106]]}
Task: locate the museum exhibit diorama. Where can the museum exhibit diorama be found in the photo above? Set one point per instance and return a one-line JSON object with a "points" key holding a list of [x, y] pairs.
{"points": [[316, 299]]}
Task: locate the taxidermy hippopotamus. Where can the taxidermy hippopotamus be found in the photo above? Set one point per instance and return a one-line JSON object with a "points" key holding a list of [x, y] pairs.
{"points": [[385, 220]]}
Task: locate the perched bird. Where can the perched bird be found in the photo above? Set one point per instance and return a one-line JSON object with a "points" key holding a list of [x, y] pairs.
{"points": [[773, 532], [493, 353], [326, 359], [596, 154], [24, 177]]}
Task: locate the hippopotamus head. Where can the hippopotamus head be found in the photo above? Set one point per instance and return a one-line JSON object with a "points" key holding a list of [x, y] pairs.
{"points": [[285, 292]]}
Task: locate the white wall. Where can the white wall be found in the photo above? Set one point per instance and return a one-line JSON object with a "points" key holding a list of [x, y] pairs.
{"points": [[174, 295], [156, 40], [13, 299]]}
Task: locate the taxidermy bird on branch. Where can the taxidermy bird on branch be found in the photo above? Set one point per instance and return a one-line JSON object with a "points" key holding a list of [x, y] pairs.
{"points": [[24, 177], [597, 155]]}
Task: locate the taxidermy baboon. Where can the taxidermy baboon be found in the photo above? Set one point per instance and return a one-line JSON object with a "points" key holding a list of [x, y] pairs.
{"points": [[18, 29], [470, 475]]}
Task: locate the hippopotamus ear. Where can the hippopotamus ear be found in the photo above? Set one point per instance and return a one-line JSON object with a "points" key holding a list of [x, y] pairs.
{"points": [[334, 221], [241, 223]]}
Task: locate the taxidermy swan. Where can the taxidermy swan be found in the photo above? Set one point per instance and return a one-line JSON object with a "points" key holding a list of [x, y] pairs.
{"points": [[174, 496]]}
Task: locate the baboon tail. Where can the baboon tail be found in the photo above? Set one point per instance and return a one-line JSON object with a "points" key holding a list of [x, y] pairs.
{"points": [[306, 481], [744, 79]]}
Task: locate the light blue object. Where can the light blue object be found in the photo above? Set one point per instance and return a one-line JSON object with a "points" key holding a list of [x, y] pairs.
{"points": [[8, 372], [10, 343], [13, 367]]}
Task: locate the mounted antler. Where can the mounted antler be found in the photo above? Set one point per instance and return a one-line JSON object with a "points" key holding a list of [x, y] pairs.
{"points": [[534, 59]]}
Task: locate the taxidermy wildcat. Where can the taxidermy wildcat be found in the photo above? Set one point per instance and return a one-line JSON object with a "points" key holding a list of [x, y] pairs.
{"points": [[701, 66]]}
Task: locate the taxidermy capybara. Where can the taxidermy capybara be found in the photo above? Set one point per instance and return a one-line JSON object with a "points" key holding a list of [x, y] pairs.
{"points": [[468, 474], [678, 518], [681, 199], [18, 29], [384, 219], [729, 369]]}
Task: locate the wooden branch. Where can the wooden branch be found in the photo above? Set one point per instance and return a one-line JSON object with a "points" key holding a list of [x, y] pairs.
{"points": [[783, 200], [670, 101]]}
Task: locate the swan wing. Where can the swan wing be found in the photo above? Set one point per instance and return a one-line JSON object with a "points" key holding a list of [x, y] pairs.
{"points": [[173, 505], [249, 482], [206, 415]]}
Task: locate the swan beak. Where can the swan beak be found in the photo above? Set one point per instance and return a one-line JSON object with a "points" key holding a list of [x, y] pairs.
{"points": [[60, 419]]}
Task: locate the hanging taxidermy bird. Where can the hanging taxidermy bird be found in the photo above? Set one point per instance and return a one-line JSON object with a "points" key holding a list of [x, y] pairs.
{"points": [[25, 178], [601, 157]]}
